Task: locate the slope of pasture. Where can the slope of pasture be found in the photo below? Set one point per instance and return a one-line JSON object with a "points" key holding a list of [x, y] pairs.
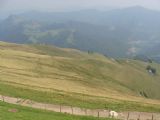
{"points": [[52, 69]]}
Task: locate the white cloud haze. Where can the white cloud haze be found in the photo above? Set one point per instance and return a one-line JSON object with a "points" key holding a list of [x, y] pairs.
{"points": [[63, 5]]}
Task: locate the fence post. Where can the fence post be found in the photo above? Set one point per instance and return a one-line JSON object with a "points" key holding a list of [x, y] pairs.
{"points": [[98, 114], [60, 108], [128, 116], [109, 113], [72, 110], [139, 116], [86, 111], [152, 117], [45, 105], [3, 98], [31, 103]]}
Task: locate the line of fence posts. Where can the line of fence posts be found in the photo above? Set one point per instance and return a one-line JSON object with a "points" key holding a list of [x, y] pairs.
{"points": [[139, 116], [98, 112], [45, 106]]}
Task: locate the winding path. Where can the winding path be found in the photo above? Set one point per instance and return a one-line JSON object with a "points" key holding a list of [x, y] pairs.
{"points": [[80, 111]]}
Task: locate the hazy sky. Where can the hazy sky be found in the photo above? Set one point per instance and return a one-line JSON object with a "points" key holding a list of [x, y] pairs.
{"points": [[64, 5]]}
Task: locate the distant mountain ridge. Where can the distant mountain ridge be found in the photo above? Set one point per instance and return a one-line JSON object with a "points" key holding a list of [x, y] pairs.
{"points": [[116, 33]]}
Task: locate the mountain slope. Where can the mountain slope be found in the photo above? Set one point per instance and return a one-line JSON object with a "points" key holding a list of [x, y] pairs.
{"points": [[116, 33], [31, 70]]}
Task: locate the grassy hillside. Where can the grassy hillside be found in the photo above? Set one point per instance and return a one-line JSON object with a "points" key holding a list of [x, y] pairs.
{"points": [[24, 113], [71, 77]]}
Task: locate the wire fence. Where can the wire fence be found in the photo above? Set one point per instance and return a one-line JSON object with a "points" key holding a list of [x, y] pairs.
{"points": [[81, 111]]}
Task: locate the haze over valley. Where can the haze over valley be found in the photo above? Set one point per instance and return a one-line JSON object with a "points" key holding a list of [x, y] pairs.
{"points": [[116, 33]]}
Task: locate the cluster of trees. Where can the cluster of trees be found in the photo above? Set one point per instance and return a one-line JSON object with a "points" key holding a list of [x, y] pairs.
{"points": [[151, 69], [142, 93], [90, 52]]}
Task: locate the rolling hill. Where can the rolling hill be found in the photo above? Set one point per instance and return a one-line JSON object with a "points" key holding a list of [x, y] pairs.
{"points": [[71, 77]]}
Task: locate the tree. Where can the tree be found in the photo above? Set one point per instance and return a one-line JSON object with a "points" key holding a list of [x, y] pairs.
{"points": [[151, 69], [148, 67]]}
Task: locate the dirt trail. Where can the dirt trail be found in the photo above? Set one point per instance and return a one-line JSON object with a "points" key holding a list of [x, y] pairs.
{"points": [[80, 111]]}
